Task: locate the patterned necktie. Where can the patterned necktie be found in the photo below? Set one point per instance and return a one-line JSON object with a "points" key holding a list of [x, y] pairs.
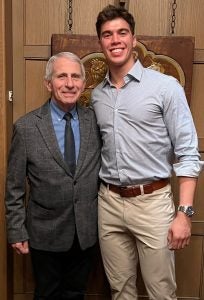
{"points": [[69, 144]]}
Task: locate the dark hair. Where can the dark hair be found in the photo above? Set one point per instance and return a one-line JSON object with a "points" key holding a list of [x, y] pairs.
{"points": [[111, 12]]}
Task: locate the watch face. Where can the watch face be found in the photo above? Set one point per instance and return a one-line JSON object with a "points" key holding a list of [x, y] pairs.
{"points": [[188, 210]]}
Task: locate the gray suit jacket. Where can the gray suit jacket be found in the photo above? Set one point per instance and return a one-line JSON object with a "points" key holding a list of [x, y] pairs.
{"points": [[57, 203]]}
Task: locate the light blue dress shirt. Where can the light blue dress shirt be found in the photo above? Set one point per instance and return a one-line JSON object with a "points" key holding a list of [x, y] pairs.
{"points": [[147, 129], [59, 126]]}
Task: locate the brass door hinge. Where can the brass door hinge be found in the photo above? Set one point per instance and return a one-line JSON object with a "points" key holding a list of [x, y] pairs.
{"points": [[10, 96]]}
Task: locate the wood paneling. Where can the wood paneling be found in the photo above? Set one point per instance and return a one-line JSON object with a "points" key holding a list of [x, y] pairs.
{"points": [[37, 52], [22, 284], [51, 16], [18, 59], [3, 255], [4, 116], [189, 20], [35, 97], [199, 56], [189, 284], [197, 105], [84, 19], [151, 16], [42, 18], [199, 205]]}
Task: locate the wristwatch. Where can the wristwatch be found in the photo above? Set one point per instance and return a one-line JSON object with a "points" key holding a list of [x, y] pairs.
{"points": [[188, 210]]}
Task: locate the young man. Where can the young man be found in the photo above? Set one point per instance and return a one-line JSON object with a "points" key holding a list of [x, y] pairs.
{"points": [[145, 121], [59, 225]]}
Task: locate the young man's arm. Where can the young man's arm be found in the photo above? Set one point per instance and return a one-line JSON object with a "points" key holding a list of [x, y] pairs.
{"points": [[180, 230]]}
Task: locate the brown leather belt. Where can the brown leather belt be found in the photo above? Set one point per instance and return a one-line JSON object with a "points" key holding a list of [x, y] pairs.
{"points": [[133, 191]]}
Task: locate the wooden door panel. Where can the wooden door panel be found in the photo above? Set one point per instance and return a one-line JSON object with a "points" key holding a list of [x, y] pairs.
{"points": [[35, 97], [189, 269]]}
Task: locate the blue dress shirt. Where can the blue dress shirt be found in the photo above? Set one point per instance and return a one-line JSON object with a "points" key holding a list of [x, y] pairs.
{"points": [[146, 127], [59, 126]]}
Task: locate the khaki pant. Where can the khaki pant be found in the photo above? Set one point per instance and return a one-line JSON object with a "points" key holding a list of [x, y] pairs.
{"points": [[133, 230]]}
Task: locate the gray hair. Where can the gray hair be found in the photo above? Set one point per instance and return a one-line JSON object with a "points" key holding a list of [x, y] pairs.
{"points": [[68, 56]]}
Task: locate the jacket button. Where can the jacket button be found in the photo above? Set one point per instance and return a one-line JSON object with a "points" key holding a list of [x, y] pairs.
{"points": [[75, 182]]}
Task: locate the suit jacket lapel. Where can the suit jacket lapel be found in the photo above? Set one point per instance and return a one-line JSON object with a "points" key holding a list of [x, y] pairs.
{"points": [[84, 125], [46, 129]]}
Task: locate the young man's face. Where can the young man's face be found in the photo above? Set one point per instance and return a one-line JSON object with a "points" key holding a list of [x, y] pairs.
{"points": [[66, 84], [117, 42]]}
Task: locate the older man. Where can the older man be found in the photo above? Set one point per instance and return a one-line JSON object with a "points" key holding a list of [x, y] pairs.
{"points": [[59, 224]]}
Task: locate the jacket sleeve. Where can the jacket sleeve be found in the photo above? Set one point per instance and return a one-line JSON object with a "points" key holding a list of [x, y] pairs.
{"points": [[16, 188]]}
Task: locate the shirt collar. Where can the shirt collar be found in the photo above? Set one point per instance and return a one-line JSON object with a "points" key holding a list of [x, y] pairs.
{"points": [[134, 73], [59, 113]]}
